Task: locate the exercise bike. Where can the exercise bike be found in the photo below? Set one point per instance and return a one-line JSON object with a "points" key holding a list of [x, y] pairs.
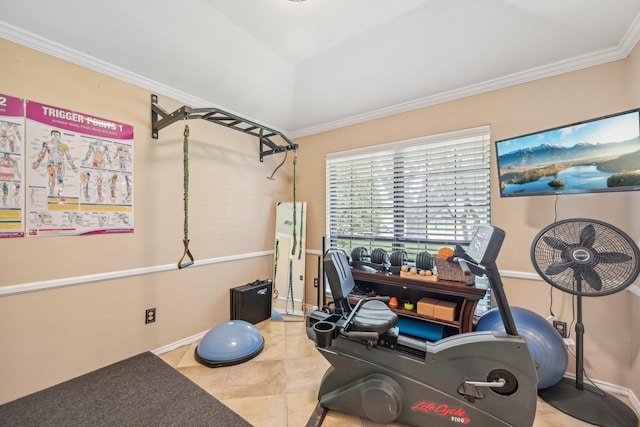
{"points": [[475, 378]]}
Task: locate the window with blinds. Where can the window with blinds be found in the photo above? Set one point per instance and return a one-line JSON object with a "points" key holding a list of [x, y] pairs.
{"points": [[416, 195]]}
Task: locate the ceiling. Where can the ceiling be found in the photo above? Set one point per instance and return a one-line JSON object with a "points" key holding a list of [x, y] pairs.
{"points": [[305, 67]]}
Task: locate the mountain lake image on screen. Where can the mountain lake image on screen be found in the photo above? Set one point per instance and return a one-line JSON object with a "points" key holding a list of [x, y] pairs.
{"points": [[596, 155]]}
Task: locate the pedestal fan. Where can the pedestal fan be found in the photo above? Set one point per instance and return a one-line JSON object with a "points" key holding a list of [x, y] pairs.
{"points": [[586, 257]]}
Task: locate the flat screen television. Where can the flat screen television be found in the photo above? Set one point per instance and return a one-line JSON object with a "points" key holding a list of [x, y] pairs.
{"points": [[597, 155]]}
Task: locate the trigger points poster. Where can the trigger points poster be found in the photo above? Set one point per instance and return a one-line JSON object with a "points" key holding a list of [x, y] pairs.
{"points": [[79, 173]]}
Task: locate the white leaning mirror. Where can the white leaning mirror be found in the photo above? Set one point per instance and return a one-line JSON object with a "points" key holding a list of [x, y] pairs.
{"points": [[289, 260]]}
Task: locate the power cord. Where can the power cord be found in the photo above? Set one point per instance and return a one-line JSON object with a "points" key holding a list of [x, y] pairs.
{"points": [[584, 373], [552, 315]]}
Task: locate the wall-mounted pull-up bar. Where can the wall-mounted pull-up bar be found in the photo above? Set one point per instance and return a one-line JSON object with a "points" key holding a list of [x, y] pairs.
{"points": [[161, 119]]}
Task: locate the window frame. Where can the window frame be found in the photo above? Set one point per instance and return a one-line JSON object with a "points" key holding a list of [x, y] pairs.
{"points": [[399, 152]]}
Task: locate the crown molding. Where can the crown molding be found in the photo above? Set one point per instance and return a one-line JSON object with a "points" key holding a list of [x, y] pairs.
{"points": [[631, 38], [621, 51], [538, 73], [49, 47]]}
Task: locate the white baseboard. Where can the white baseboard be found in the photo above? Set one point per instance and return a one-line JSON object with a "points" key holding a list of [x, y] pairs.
{"points": [[186, 341], [634, 401], [298, 313], [287, 299]]}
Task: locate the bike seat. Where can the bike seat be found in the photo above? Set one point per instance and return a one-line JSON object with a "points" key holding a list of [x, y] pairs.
{"points": [[374, 316], [371, 315]]}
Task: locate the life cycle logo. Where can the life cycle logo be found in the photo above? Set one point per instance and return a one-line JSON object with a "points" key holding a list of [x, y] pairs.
{"points": [[456, 415]]}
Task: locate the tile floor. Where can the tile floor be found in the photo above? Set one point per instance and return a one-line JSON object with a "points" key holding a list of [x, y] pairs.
{"points": [[278, 388]]}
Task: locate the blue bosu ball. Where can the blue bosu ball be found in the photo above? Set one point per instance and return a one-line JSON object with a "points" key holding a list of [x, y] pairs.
{"points": [[545, 343], [230, 343]]}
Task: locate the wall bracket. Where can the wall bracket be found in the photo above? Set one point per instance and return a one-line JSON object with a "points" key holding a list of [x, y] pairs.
{"points": [[160, 119]]}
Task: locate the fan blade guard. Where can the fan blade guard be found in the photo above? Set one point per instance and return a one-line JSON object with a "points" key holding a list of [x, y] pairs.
{"points": [[613, 265], [613, 257]]}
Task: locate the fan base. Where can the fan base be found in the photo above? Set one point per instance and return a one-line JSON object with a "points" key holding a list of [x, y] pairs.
{"points": [[589, 405]]}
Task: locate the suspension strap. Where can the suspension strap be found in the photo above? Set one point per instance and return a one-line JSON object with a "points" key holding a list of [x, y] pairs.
{"points": [[290, 291], [295, 240], [301, 229], [185, 153], [276, 259]]}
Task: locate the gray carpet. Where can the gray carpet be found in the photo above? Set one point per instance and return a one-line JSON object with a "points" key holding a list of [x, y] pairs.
{"points": [[139, 391]]}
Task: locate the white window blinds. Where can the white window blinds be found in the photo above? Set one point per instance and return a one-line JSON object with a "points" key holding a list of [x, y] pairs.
{"points": [[415, 195]]}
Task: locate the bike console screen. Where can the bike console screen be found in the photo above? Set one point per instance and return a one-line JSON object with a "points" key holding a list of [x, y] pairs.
{"points": [[485, 245]]}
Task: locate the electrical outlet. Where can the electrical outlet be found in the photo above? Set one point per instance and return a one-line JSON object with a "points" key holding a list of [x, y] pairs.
{"points": [[150, 315], [561, 327]]}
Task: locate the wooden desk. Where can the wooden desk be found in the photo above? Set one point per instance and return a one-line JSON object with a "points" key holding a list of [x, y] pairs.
{"points": [[413, 290]]}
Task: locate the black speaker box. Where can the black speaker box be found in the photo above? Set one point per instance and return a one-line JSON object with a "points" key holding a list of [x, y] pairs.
{"points": [[252, 302]]}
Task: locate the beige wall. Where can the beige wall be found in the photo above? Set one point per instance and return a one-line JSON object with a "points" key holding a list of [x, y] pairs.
{"points": [[610, 351], [633, 92], [53, 335]]}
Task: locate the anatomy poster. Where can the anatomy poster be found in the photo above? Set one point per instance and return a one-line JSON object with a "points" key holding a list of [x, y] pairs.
{"points": [[79, 173], [11, 166]]}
